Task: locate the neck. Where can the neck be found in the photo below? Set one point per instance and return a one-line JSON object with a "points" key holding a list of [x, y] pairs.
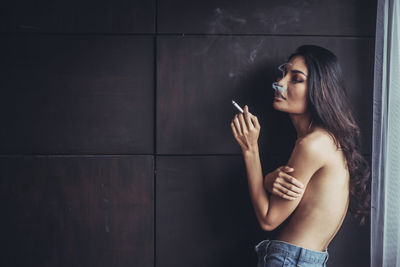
{"points": [[302, 123]]}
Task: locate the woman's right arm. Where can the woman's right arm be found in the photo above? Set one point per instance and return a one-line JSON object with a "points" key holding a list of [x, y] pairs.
{"points": [[280, 183]]}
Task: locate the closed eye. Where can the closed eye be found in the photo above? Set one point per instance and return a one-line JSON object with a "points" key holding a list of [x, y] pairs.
{"points": [[297, 81], [293, 80]]}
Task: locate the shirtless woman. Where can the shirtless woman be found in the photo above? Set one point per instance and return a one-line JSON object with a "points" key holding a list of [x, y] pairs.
{"points": [[325, 172]]}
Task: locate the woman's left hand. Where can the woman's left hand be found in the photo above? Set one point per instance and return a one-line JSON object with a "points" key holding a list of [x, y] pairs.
{"points": [[246, 129]]}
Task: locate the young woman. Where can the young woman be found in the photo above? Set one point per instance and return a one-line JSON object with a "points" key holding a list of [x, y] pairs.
{"points": [[325, 175]]}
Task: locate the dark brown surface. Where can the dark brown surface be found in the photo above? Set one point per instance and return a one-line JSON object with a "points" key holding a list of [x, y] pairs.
{"points": [[204, 216], [77, 94], [295, 17], [351, 245], [78, 78], [199, 76], [77, 211], [93, 16]]}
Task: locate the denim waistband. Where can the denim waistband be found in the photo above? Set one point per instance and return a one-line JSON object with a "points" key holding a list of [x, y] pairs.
{"points": [[294, 251]]}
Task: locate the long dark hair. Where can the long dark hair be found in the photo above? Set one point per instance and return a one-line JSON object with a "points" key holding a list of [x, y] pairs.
{"points": [[330, 109]]}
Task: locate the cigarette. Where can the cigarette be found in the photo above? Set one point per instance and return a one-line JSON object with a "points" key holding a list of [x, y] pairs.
{"points": [[237, 106]]}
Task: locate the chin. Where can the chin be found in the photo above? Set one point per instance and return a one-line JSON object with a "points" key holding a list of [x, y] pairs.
{"points": [[277, 106]]}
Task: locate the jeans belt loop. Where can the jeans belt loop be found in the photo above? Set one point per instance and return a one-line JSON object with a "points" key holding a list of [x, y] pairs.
{"points": [[267, 243]]}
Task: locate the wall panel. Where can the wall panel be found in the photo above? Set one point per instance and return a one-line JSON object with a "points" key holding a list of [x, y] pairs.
{"points": [[118, 16], [204, 216], [329, 17], [77, 94], [77, 211], [199, 76]]}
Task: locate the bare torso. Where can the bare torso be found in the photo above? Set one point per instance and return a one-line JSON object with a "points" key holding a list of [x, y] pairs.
{"points": [[324, 205]]}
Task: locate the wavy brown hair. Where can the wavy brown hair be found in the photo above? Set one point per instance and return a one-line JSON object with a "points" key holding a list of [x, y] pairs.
{"points": [[330, 109]]}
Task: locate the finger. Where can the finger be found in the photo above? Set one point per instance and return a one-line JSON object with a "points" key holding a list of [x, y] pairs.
{"points": [[290, 187], [235, 133], [284, 189], [288, 169], [255, 121], [275, 191], [283, 180], [247, 118], [243, 124], [290, 179], [237, 125]]}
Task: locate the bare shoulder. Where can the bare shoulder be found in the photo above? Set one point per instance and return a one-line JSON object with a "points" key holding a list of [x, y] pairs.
{"points": [[318, 144], [319, 136]]}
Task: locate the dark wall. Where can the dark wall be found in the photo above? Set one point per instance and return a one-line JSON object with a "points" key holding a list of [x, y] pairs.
{"points": [[116, 148]]}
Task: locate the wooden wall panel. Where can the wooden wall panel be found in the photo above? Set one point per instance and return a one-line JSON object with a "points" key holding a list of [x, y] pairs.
{"points": [[198, 77], [330, 17], [204, 216], [118, 16], [78, 78], [77, 211], [351, 245], [77, 94]]}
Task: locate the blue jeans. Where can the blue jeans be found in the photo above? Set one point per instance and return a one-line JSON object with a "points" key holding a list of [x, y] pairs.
{"points": [[274, 253]]}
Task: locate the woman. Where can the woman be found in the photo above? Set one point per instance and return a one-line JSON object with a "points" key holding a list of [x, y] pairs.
{"points": [[325, 174]]}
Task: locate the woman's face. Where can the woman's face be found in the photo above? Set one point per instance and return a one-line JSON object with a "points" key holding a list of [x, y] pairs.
{"points": [[295, 83]]}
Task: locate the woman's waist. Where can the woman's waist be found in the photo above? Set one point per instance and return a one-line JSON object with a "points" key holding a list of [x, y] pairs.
{"points": [[308, 239], [313, 229]]}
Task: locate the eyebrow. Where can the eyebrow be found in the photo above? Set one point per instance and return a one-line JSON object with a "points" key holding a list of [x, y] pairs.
{"points": [[297, 71]]}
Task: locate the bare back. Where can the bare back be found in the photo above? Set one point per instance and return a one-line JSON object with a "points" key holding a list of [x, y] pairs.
{"points": [[323, 207]]}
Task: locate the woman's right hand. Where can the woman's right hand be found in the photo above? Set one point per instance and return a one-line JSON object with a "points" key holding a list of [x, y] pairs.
{"points": [[280, 183]]}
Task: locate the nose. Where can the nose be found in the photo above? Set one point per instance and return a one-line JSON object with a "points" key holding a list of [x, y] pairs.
{"points": [[280, 81], [278, 88], [279, 85]]}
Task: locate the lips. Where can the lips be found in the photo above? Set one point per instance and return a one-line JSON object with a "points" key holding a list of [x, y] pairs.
{"points": [[279, 95]]}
